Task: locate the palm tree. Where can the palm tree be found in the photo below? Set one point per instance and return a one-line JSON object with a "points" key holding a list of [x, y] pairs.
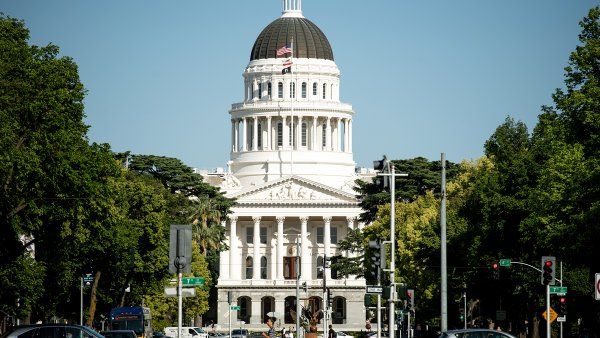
{"points": [[206, 219]]}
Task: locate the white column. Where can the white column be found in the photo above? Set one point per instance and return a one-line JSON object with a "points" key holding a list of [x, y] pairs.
{"points": [[232, 135], [224, 259], [255, 135], [350, 135], [285, 132], [346, 138], [235, 262], [255, 317], [272, 263], [280, 305], [236, 136], [328, 135], [313, 145], [280, 247], [269, 134], [256, 247], [327, 240], [299, 133], [306, 260], [245, 139]]}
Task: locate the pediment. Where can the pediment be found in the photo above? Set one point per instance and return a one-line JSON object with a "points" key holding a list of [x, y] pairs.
{"points": [[295, 190]]}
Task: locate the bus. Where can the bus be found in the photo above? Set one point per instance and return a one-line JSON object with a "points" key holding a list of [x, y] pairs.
{"points": [[134, 318]]}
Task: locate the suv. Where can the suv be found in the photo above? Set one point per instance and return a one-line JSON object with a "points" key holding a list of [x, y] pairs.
{"points": [[52, 331], [475, 333], [240, 333]]}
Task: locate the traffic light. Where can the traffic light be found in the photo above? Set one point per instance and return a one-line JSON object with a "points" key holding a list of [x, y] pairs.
{"points": [[381, 166], [495, 270], [329, 298], [548, 272], [304, 287], [410, 299], [562, 306], [375, 254]]}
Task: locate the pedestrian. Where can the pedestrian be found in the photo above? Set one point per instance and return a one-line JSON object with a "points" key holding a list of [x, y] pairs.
{"points": [[331, 333], [284, 333], [271, 332]]}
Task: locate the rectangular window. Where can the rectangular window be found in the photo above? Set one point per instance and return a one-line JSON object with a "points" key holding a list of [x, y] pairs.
{"points": [[303, 90], [260, 90], [263, 235], [324, 90], [292, 90], [259, 135], [334, 235], [269, 89], [280, 90], [324, 138], [289, 267], [320, 235], [304, 134], [315, 89], [250, 235], [280, 134]]}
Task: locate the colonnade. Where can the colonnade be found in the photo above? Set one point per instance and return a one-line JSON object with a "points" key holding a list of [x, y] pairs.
{"points": [[249, 133], [234, 270]]}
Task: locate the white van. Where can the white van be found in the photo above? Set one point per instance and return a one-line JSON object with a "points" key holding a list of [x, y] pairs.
{"points": [[186, 332]]}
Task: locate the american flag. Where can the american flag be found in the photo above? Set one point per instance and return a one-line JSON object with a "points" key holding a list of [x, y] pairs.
{"points": [[284, 50], [287, 63]]}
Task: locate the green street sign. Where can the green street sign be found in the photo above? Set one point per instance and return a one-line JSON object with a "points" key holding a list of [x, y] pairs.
{"points": [[559, 290], [505, 262], [190, 281], [235, 307]]}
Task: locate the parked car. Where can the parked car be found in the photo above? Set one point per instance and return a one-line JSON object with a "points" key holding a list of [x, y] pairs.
{"points": [[475, 333], [159, 335], [52, 331], [119, 334], [186, 332], [240, 333]]}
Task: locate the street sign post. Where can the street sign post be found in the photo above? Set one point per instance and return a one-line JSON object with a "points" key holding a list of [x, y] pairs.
{"points": [[192, 281], [374, 290], [235, 307], [185, 292], [553, 315], [559, 290], [505, 262]]}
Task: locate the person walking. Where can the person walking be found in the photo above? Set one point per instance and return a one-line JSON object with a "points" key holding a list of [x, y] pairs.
{"points": [[331, 333], [271, 332]]}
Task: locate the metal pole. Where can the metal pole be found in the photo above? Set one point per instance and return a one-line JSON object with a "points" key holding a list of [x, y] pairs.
{"points": [[179, 302], [298, 270], [548, 311], [465, 307], [408, 333], [391, 314], [561, 284], [229, 303], [444, 286], [81, 301], [325, 303], [378, 304]]}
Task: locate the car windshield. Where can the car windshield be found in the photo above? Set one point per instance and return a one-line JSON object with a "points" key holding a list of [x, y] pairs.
{"points": [[135, 325]]}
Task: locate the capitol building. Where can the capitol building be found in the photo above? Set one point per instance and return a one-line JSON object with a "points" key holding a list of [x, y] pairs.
{"points": [[292, 173]]}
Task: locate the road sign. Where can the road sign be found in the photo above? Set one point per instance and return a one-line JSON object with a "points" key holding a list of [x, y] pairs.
{"points": [[189, 281], [505, 262], [561, 319], [235, 307], [597, 288], [559, 290], [374, 289], [88, 279], [553, 315], [185, 292]]}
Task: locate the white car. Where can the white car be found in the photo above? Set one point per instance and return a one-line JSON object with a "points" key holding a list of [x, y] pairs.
{"points": [[475, 333]]}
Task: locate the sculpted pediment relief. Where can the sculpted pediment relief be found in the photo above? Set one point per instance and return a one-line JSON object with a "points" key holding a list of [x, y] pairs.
{"points": [[295, 190]]}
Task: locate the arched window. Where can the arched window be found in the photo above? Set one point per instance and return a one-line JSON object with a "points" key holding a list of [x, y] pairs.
{"points": [[249, 264], [319, 267], [259, 135], [263, 267], [324, 138], [280, 90], [324, 90], [245, 310], [292, 90], [269, 89], [314, 89], [260, 90], [339, 310], [304, 134], [280, 134], [331, 92], [250, 130], [303, 90]]}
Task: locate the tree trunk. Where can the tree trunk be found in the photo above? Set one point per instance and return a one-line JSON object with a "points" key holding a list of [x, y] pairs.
{"points": [[536, 328], [90, 320]]}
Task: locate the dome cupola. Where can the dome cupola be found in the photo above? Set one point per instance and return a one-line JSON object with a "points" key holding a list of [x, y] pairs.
{"points": [[309, 41]]}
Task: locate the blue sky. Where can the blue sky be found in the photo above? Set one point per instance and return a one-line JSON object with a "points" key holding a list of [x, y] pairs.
{"points": [[424, 77]]}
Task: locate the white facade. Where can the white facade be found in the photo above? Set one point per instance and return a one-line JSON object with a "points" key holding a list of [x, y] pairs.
{"points": [[292, 173]]}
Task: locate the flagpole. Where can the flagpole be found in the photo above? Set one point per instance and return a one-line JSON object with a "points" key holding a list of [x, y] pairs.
{"points": [[292, 113]]}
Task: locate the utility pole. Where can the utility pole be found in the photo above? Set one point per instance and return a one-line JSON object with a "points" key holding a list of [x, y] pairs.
{"points": [[444, 286], [298, 271], [325, 300], [391, 313], [81, 301]]}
